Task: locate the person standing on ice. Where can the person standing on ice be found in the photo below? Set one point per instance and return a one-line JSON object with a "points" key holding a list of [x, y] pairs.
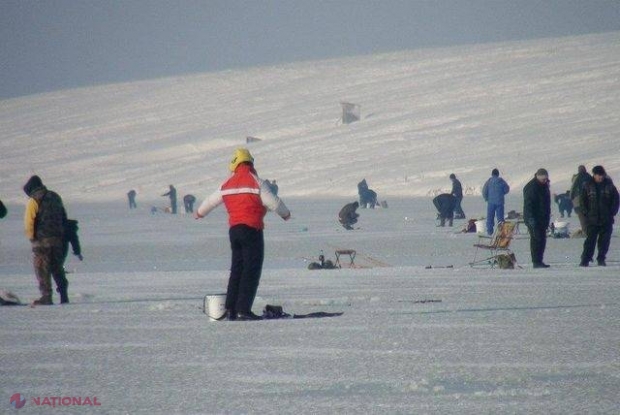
{"points": [[493, 192], [247, 199], [599, 203], [537, 215], [172, 194], [579, 180], [131, 197], [44, 222], [457, 191]]}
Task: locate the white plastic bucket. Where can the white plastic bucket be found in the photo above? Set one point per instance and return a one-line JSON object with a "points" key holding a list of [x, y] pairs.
{"points": [[481, 227], [215, 306]]}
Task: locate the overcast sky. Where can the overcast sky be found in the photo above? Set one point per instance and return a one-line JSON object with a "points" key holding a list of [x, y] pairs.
{"points": [[48, 45]]}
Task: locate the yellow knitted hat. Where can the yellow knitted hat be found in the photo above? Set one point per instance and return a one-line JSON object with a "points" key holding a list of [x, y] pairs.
{"points": [[241, 155]]}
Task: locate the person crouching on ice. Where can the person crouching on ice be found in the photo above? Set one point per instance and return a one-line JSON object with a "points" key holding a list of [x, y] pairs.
{"points": [[247, 199], [445, 204]]}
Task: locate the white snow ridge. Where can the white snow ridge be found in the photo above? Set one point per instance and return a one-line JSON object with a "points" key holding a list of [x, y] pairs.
{"points": [[412, 339]]}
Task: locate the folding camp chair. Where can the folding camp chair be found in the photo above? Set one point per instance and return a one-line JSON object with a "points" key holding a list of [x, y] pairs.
{"points": [[350, 252], [499, 243]]}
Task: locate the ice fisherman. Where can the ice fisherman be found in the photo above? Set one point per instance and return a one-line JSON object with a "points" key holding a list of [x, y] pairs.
{"points": [[579, 180], [247, 199], [44, 222], [131, 197], [368, 198], [445, 204], [537, 215], [457, 192], [188, 203], [599, 202], [348, 215], [172, 194], [494, 191], [564, 202], [3, 210]]}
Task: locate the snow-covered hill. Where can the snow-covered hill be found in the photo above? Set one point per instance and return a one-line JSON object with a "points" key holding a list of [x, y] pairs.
{"points": [[425, 114]]}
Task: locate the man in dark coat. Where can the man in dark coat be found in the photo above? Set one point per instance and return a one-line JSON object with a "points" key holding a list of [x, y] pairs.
{"points": [[188, 203], [172, 194], [44, 222], [131, 196], [3, 210], [348, 215], [537, 214], [368, 197], [565, 204], [445, 204], [599, 204], [457, 191], [581, 178]]}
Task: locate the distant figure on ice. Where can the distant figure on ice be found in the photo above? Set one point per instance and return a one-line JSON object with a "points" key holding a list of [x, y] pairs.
{"points": [[537, 215], [457, 192], [565, 204], [599, 203], [368, 198], [44, 222], [493, 193], [3, 210], [247, 199], [445, 204], [131, 196], [172, 194], [579, 180], [348, 215], [188, 203]]}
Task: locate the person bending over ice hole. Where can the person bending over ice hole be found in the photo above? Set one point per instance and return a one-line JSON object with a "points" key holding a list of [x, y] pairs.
{"points": [[445, 204], [348, 215], [247, 199]]}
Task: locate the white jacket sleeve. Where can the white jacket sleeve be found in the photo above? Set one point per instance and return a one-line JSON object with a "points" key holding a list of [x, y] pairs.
{"points": [[273, 202], [210, 203]]}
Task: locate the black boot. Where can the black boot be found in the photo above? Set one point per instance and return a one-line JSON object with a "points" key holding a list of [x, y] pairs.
{"points": [[247, 316], [229, 315]]}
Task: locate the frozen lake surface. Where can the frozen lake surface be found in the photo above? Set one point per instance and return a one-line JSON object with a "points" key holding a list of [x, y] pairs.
{"points": [[411, 339]]}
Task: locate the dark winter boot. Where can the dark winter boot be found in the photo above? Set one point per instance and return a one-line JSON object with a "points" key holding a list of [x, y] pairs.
{"points": [[44, 300], [247, 316]]}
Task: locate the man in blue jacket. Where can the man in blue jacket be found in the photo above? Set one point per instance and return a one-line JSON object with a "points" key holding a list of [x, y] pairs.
{"points": [[493, 192]]}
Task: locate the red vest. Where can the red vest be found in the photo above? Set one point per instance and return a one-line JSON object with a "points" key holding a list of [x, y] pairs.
{"points": [[241, 195]]}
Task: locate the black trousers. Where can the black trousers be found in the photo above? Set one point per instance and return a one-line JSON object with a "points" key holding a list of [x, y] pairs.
{"points": [[248, 251], [538, 243], [596, 235]]}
